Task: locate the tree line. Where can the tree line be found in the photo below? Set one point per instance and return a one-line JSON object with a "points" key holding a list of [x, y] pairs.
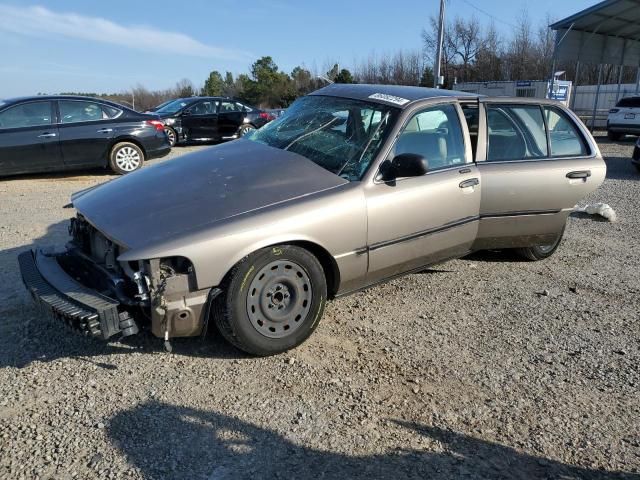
{"points": [[471, 52]]}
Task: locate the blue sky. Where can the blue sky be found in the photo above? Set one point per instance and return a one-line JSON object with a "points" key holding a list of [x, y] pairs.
{"points": [[76, 45]]}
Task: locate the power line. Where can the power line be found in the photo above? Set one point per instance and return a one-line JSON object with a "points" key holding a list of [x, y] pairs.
{"points": [[484, 12]]}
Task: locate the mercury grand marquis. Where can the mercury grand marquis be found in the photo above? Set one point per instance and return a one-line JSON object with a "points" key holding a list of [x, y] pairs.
{"points": [[352, 186]]}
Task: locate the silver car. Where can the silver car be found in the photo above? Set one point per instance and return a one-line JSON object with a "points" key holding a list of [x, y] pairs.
{"points": [[352, 186]]}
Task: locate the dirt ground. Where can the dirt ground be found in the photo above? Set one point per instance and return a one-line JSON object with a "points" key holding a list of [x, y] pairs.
{"points": [[484, 367]]}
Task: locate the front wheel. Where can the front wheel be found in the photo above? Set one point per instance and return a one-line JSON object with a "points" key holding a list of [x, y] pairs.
{"points": [[540, 252], [245, 130], [125, 157], [273, 300]]}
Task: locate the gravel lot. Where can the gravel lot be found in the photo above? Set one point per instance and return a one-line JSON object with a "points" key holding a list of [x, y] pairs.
{"points": [[464, 371]]}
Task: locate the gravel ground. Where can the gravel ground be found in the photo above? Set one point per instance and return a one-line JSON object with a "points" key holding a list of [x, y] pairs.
{"points": [[485, 367]]}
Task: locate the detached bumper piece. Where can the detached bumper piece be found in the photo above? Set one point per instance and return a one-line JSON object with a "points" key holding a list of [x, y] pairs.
{"points": [[81, 308]]}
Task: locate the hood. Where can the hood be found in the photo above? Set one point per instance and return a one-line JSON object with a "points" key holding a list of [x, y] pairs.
{"points": [[196, 190]]}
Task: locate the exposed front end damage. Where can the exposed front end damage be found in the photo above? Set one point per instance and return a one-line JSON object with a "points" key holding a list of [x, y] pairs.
{"points": [[91, 291]]}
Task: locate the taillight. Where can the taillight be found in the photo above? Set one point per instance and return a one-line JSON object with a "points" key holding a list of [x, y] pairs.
{"points": [[266, 116], [614, 110], [159, 126]]}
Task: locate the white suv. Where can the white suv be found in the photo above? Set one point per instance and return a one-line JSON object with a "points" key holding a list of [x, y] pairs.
{"points": [[624, 118]]}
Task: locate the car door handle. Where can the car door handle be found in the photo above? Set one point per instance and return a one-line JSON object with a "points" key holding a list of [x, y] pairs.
{"points": [[105, 130], [47, 135], [472, 182], [579, 174]]}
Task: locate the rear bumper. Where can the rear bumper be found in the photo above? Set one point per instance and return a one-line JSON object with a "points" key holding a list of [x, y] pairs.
{"points": [[84, 310]]}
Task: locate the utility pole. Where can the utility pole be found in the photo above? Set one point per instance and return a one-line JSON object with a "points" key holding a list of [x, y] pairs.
{"points": [[436, 70]]}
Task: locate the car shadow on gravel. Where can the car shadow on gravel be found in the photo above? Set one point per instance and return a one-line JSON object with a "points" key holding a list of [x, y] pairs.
{"points": [[168, 442], [621, 168]]}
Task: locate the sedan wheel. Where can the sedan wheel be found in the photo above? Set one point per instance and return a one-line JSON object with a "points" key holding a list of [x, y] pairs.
{"points": [[171, 134], [273, 300], [246, 129], [540, 252], [125, 157]]}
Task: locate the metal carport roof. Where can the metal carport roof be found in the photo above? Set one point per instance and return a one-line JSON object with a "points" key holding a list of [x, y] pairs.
{"points": [[607, 33]]}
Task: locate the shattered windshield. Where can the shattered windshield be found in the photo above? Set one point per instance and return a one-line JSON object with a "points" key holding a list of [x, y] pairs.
{"points": [[339, 134]]}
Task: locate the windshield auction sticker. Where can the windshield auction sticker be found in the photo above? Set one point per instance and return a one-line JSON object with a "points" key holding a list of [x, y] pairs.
{"points": [[389, 98]]}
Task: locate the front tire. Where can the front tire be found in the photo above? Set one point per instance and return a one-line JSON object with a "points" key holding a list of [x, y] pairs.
{"points": [[540, 252], [273, 300], [245, 130], [126, 157]]}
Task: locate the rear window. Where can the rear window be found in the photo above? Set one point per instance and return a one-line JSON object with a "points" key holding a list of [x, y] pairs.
{"points": [[629, 102], [516, 132]]}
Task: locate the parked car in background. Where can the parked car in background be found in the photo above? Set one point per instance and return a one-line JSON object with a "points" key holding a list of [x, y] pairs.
{"points": [[624, 119], [56, 133], [206, 119], [635, 159], [353, 185]]}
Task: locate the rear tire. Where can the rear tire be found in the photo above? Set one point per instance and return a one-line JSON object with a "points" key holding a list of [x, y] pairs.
{"points": [[273, 300], [540, 252], [614, 136], [126, 157], [171, 135]]}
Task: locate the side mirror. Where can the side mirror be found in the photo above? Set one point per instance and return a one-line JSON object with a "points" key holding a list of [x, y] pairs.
{"points": [[405, 165]]}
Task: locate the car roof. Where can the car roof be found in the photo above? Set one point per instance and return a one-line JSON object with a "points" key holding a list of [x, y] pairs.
{"points": [[397, 95], [14, 100]]}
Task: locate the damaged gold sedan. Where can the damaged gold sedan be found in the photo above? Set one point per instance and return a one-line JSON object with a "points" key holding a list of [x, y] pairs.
{"points": [[353, 185]]}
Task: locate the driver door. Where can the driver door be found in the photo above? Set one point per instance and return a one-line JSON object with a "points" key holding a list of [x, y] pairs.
{"points": [[201, 122], [417, 221]]}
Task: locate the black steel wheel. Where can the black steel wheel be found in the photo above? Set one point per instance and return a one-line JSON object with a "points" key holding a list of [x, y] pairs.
{"points": [[273, 300]]}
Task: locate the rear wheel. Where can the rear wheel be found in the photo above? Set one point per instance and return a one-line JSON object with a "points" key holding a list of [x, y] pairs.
{"points": [[125, 157], [172, 135], [246, 129], [273, 300], [614, 136], [540, 252]]}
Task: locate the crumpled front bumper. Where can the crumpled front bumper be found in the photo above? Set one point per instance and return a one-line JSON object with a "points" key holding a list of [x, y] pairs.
{"points": [[81, 308]]}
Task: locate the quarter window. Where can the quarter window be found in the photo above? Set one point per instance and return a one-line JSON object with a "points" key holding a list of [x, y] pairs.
{"points": [[564, 138], [73, 111], [435, 134], [515, 132], [31, 114]]}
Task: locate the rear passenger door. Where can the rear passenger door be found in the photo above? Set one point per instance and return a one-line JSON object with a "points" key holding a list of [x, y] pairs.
{"points": [[86, 129], [416, 221], [536, 164]]}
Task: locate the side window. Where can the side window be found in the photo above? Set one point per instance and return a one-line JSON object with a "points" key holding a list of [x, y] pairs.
{"points": [[564, 138], [31, 114], [435, 134], [231, 107], [207, 107], [515, 132], [110, 112], [72, 111]]}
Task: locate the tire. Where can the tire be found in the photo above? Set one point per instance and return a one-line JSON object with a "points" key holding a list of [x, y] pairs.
{"points": [[126, 157], [245, 129], [172, 135], [540, 252], [614, 136], [273, 300]]}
